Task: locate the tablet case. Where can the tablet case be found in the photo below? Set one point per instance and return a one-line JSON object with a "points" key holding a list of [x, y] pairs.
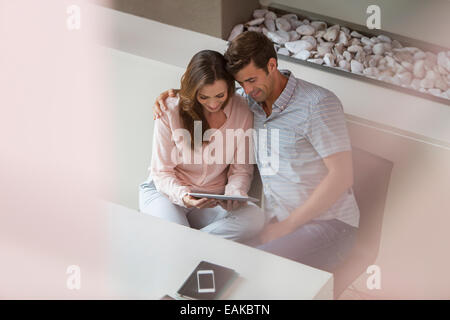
{"points": [[223, 277]]}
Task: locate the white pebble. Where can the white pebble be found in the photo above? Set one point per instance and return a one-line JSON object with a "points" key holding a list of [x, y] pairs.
{"points": [[371, 71], [293, 35], [356, 34], [378, 49], [237, 30], [435, 92], [344, 64], [280, 37], [303, 55], [255, 22], [260, 13], [290, 16], [295, 23], [284, 51], [419, 69], [329, 60], [347, 55], [384, 38], [270, 15], [310, 39], [419, 55], [331, 34], [356, 66], [343, 38], [283, 24], [317, 61], [366, 41], [299, 45], [405, 78], [427, 83], [306, 30], [270, 24], [354, 49]]}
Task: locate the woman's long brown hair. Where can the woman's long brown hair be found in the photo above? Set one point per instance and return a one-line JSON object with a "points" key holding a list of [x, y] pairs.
{"points": [[205, 68]]}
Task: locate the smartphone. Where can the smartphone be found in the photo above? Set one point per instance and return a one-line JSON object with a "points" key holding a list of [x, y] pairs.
{"points": [[205, 281]]}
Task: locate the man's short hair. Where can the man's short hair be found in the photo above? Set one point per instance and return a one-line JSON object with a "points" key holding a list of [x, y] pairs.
{"points": [[249, 46]]}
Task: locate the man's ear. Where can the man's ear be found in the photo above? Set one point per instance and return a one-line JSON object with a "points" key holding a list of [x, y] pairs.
{"points": [[272, 65]]}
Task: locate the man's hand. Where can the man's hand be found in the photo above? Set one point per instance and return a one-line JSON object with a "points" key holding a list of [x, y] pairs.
{"points": [[231, 205], [159, 105], [275, 230], [202, 203]]}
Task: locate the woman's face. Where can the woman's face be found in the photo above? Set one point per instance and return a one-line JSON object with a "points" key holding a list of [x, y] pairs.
{"points": [[212, 96]]}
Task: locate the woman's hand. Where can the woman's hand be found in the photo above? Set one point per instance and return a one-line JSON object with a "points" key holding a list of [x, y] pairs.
{"points": [[201, 203], [159, 103], [231, 205]]}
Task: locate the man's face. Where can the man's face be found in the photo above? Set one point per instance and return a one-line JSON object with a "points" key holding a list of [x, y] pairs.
{"points": [[255, 81]]}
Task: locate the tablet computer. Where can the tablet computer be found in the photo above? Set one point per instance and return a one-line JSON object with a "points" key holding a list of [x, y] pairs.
{"points": [[222, 197]]}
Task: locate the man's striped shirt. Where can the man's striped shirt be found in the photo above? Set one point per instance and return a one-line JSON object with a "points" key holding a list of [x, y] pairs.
{"points": [[311, 126]]}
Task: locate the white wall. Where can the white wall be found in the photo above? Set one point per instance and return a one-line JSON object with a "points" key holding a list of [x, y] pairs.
{"points": [[135, 82]]}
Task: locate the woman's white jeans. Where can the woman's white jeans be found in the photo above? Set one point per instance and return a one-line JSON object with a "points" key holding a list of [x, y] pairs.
{"points": [[238, 225]]}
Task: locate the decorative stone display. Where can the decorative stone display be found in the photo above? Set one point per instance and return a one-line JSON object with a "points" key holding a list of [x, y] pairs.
{"points": [[378, 57]]}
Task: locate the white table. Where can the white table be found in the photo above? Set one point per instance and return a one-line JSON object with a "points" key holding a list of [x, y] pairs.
{"points": [[150, 257]]}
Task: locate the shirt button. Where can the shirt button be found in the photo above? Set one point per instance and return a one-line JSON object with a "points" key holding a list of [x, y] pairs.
{"points": [[265, 125]]}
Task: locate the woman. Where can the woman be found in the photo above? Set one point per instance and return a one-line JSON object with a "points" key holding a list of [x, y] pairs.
{"points": [[191, 153]]}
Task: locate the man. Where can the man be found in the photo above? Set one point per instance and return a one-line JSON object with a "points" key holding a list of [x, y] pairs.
{"points": [[308, 199]]}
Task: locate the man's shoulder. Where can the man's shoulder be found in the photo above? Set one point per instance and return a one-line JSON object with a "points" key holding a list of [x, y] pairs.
{"points": [[313, 93]]}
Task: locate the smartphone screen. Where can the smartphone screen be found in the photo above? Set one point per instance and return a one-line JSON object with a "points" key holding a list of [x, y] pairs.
{"points": [[206, 281]]}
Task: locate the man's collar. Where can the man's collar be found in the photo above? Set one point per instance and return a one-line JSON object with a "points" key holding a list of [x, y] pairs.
{"points": [[285, 97]]}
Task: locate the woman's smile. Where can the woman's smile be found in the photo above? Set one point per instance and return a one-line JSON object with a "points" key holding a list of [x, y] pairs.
{"points": [[214, 108]]}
